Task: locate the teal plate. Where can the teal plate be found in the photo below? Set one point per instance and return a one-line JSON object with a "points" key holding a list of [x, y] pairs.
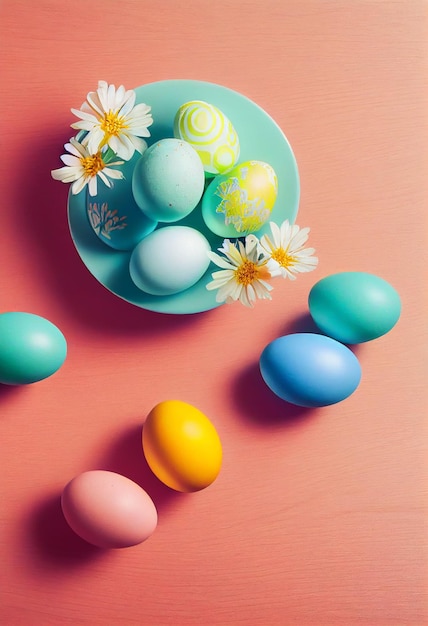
{"points": [[260, 138]]}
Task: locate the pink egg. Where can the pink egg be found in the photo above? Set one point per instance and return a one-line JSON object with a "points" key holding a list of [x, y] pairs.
{"points": [[108, 509]]}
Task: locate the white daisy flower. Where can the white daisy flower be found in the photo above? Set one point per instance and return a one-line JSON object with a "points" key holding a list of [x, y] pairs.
{"points": [[111, 118], [82, 168], [286, 246], [244, 273]]}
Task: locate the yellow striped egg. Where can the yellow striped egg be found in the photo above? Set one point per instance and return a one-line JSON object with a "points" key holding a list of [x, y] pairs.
{"points": [[210, 133]]}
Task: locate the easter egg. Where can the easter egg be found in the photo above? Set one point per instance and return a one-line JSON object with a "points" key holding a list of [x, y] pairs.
{"points": [[354, 307], [210, 133], [181, 446], [310, 370], [31, 348], [168, 180], [169, 260], [108, 509], [114, 215], [240, 202]]}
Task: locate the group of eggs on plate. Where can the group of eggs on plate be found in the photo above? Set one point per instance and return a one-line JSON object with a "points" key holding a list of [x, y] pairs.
{"points": [[197, 167], [181, 445]]}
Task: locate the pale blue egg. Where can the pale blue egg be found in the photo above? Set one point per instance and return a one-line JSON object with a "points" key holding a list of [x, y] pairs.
{"points": [[168, 180], [31, 348], [310, 370], [169, 260]]}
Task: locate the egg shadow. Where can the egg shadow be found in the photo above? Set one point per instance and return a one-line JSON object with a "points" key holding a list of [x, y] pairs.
{"points": [[304, 323], [56, 544], [125, 456], [259, 406], [7, 391], [42, 222]]}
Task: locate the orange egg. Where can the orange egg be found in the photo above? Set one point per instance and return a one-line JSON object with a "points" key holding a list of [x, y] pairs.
{"points": [[181, 446]]}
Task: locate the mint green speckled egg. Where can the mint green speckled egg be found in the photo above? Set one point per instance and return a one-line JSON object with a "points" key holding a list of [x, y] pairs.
{"points": [[168, 180]]}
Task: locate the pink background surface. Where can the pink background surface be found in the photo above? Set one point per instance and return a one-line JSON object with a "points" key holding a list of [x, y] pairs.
{"points": [[318, 516]]}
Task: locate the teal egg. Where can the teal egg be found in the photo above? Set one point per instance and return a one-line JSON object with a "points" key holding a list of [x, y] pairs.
{"points": [[114, 215], [31, 348], [354, 307]]}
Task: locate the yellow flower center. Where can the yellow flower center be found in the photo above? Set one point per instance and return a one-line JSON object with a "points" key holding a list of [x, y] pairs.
{"points": [[283, 258], [112, 124], [92, 164], [246, 273]]}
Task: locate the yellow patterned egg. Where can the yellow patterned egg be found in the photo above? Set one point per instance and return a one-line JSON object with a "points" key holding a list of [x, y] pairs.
{"points": [[241, 201], [210, 133]]}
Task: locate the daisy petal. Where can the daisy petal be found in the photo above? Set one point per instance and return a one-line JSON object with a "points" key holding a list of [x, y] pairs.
{"points": [[108, 171], [82, 125], [89, 117], [128, 103], [95, 103], [218, 260], [124, 147], [70, 160], [94, 139], [76, 148], [92, 186], [139, 144], [78, 185]]}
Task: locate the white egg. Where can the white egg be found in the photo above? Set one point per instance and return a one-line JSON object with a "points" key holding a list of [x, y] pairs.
{"points": [[169, 260]]}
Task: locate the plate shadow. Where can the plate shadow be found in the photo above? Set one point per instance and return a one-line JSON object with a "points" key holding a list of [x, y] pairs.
{"points": [[42, 221]]}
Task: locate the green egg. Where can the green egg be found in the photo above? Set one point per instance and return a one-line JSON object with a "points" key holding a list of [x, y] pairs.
{"points": [[31, 348], [354, 307]]}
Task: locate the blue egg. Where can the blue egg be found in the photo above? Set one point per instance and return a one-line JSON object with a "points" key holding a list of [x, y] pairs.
{"points": [[114, 215], [31, 348], [310, 370]]}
